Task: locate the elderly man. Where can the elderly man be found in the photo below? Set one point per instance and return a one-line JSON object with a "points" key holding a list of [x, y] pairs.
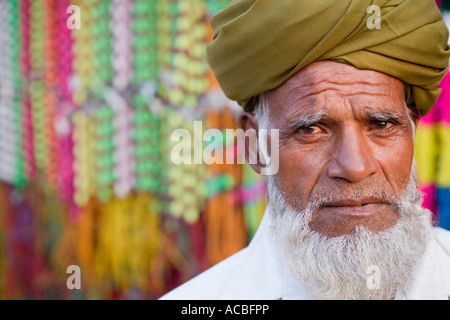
{"points": [[344, 217]]}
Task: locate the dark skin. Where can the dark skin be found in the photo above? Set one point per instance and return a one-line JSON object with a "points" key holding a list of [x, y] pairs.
{"points": [[346, 133]]}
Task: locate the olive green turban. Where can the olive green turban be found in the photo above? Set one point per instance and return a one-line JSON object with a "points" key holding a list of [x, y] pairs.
{"points": [[259, 44]]}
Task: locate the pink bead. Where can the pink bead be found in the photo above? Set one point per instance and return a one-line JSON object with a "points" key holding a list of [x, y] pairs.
{"points": [[429, 198], [443, 102]]}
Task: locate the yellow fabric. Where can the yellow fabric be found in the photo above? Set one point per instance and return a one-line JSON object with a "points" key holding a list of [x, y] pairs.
{"points": [[259, 44]]}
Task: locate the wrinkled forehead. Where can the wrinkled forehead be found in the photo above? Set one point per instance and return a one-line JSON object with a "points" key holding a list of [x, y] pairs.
{"points": [[323, 78]]}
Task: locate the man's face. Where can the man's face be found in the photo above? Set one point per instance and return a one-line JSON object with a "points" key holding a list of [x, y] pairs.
{"points": [[345, 134]]}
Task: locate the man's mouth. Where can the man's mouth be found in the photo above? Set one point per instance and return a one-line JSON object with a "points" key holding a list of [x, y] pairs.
{"points": [[360, 207]]}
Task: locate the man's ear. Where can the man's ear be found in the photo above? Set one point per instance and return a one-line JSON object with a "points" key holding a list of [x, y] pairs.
{"points": [[415, 113], [416, 122], [247, 122]]}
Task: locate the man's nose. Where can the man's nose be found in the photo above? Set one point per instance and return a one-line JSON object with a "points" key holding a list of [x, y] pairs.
{"points": [[352, 159]]}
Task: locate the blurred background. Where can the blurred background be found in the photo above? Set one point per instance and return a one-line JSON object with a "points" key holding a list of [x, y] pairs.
{"points": [[86, 178]]}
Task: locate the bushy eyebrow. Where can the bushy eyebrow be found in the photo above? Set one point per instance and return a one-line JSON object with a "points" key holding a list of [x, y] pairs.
{"points": [[387, 115], [304, 121]]}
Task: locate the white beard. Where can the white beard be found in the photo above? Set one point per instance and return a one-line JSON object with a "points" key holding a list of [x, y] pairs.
{"points": [[342, 267]]}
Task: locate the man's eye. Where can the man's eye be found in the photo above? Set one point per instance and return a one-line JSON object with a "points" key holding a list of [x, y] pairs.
{"points": [[381, 125], [309, 130]]}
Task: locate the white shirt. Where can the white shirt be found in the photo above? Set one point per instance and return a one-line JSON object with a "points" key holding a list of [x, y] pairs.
{"points": [[258, 272]]}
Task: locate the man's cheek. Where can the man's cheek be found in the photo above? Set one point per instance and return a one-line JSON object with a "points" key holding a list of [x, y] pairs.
{"points": [[397, 166], [294, 178]]}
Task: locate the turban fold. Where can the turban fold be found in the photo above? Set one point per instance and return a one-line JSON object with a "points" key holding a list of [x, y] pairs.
{"points": [[259, 44]]}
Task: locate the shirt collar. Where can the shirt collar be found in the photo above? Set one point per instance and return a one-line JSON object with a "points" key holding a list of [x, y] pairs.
{"points": [[428, 284]]}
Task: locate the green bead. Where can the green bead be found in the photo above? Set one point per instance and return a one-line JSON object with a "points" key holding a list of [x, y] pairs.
{"points": [[105, 178]]}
